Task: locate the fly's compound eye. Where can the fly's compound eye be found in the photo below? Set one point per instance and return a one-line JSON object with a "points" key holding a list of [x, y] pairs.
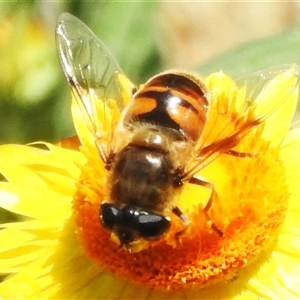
{"points": [[152, 225], [109, 215], [130, 223]]}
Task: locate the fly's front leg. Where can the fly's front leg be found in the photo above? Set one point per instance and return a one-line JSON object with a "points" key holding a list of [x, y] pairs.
{"points": [[207, 207], [176, 211]]}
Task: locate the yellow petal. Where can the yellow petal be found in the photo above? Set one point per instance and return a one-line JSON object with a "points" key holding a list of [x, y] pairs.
{"points": [[289, 243], [12, 238], [83, 125], [33, 225], [278, 97], [27, 288], [25, 202], [16, 259]]}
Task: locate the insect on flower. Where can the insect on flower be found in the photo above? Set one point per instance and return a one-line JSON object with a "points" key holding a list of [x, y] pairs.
{"points": [[154, 138]]}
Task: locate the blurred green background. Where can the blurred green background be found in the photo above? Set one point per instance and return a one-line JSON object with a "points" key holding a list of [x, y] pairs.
{"points": [[34, 94], [143, 36]]}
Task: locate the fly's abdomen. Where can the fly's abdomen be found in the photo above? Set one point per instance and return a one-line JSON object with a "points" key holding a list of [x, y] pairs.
{"points": [[172, 100]]}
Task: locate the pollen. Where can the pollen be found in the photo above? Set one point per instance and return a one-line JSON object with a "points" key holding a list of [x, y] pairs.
{"points": [[251, 204]]}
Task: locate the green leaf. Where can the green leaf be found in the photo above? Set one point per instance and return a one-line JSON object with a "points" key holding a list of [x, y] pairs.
{"points": [[269, 52]]}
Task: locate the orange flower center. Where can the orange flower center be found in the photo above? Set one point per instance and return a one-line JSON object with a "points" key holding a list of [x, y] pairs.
{"points": [[252, 200]]}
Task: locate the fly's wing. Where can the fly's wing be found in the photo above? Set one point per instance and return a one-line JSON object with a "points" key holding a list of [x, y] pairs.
{"points": [[98, 84], [239, 109]]}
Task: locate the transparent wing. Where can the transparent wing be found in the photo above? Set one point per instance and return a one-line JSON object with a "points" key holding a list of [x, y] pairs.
{"points": [[97, 82], [239, 109]]}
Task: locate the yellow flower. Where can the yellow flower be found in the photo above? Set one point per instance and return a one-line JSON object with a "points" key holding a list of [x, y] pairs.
{"points": [[59, 249]]}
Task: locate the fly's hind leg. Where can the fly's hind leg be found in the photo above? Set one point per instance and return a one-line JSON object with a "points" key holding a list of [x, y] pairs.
{"points": [[241, 154], [207, 207]]}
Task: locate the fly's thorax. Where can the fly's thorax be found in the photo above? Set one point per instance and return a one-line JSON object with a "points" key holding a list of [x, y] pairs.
{"points": [[141, 174]]}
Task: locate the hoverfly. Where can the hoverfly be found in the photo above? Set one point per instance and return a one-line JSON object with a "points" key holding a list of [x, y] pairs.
{"points": [[157, 143]]}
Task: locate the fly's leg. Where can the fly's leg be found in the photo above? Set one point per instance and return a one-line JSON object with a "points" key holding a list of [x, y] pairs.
{"points": [[176, 211], [241, 154], [213, 196]]}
